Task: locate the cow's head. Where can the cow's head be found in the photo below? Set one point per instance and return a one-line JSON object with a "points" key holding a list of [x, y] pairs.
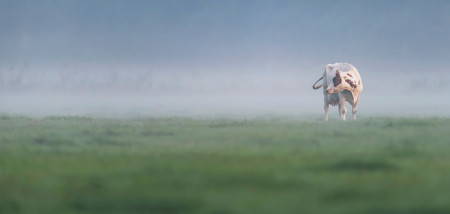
{"points": [[341, 81]]}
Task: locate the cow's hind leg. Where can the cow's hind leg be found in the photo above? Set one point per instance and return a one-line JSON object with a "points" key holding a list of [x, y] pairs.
{"points": [[326, 106], [342, 107]]}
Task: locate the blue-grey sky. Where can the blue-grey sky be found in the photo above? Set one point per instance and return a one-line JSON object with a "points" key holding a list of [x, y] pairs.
{"points": [[215, 33]]}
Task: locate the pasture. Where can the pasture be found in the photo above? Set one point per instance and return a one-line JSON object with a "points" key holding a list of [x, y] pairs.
{"points": [[78, 164]]}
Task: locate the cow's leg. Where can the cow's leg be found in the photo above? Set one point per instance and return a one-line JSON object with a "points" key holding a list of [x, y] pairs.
{"points": [[354, 109], [326, 106], [342, 108]]}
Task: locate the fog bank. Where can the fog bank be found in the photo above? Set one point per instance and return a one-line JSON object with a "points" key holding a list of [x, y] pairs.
{"points": [[209, 94]]}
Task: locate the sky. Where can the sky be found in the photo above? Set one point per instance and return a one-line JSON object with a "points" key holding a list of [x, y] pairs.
{"points": [[207, 45], [202, 34]]}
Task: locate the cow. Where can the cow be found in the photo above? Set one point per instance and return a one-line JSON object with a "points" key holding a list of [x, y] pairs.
{"points": [[341, 82]]}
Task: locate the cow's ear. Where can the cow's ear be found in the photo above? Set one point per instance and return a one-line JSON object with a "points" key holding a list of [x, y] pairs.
{"points": [[338, 72]]}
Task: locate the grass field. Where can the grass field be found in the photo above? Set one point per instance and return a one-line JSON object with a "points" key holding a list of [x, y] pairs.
{"points": [[182, 165]]}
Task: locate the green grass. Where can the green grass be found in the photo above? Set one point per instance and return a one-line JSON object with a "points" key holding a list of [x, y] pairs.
{"points": [[182, 165]]}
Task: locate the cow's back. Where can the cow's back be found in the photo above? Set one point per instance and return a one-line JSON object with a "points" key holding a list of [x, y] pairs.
{"points": [[330, 72]]}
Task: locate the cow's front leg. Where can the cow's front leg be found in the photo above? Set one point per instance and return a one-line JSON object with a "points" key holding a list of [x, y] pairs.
{"points": [[354, 110], [342, 108]]}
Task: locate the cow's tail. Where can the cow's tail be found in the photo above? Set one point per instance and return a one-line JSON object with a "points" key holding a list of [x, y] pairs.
{"points": [[317, 87]]}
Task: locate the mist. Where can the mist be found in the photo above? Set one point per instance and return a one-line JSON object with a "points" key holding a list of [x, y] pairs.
{"points": [[220, 59]]}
